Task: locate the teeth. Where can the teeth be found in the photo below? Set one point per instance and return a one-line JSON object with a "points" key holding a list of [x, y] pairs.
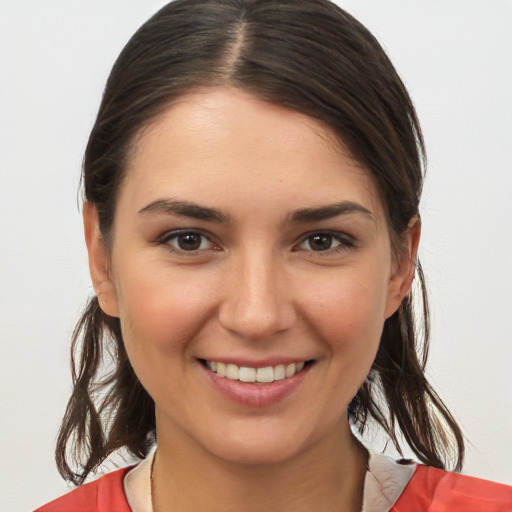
{"points": [[247, 374], [290, 370], [221, 369], [262, 375], [265, 374], [232, 371], [279, 372]]}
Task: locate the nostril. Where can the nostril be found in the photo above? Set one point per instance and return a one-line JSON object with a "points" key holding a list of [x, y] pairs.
{"points": [[255, 322]]}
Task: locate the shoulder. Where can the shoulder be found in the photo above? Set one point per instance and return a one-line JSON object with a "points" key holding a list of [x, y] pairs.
{"points": [[435, 490], [106, 494]]}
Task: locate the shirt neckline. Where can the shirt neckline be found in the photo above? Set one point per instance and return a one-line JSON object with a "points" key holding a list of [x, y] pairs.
{"points": [[384, 483]]}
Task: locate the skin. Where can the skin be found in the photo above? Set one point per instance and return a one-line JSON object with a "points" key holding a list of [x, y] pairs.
{"points": [[255, 288]]}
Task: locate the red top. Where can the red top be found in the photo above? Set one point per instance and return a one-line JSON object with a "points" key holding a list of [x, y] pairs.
{"points": [[435, 490], [429, 490], [106, 494]]}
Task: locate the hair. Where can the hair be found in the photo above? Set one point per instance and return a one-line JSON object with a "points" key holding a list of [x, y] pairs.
{"points": [[309, 56]]}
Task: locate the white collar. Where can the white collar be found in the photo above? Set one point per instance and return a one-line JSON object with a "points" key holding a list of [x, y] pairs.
{"points": [[137, 485], [384, 482]]}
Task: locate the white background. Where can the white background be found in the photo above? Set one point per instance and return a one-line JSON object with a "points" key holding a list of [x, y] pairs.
{"points": [[455, 57]]}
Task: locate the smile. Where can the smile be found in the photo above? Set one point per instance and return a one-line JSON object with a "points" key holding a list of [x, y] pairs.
{"points": [[264, 375]]}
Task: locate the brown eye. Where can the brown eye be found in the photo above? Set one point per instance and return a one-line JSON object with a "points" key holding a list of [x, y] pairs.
{"points": [[321, 242], [326, 241], [188, 241]]}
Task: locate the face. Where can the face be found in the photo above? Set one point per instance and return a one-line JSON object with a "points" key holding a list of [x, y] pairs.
{"points": [[247, 245]]}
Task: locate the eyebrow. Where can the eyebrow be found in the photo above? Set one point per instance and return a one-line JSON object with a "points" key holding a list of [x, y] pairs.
{"points": [[186, 209], [195, 211], [329, 211]]}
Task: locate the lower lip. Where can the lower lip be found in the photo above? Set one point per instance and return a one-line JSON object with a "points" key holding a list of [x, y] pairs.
{"points": [[254, 394]]}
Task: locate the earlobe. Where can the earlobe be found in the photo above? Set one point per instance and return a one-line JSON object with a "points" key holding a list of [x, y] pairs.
{"points": [[98, 262], [401, 280]]}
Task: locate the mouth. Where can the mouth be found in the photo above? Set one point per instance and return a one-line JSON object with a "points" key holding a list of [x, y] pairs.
{"points": [[265, 375]]}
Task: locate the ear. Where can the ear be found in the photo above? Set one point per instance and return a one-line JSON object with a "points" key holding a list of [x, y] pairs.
{"points": [[401, 279], [98, 262]]}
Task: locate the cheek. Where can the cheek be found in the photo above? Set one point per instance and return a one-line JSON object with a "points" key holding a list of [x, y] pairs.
{"points": [[348, 311], [350, 322], [161, 314], [162, 310]]}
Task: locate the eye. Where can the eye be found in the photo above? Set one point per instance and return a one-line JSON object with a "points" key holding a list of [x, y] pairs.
{"points": [[325, 241], [186, 241]]}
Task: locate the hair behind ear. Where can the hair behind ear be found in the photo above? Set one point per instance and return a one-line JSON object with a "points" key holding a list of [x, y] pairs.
{"points": [[103, 413], [397, 393]]}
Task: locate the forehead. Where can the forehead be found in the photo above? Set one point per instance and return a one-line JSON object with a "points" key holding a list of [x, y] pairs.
{"points": [[224, 138]]}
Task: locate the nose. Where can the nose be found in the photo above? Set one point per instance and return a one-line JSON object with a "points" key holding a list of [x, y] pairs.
{"points": [[257, 303]]}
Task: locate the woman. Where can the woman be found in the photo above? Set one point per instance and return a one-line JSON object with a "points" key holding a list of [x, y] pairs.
{"points": [[251, 215]]}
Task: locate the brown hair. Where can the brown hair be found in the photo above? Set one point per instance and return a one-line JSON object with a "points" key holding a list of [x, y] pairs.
{"points": [[306, 55]]}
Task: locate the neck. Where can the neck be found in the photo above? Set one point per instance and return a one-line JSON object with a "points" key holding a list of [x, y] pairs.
{"points": [[328, 476]]}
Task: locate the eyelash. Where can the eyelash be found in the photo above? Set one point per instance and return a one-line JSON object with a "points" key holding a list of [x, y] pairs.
{"points": [[344, 241], [174, 236]]}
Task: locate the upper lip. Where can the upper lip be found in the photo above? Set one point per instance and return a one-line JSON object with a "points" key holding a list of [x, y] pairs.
{"points": [[256, 363]]}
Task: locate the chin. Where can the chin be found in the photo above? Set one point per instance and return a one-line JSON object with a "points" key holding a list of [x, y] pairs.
{"points": [[257, 453], [269, 444]]}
